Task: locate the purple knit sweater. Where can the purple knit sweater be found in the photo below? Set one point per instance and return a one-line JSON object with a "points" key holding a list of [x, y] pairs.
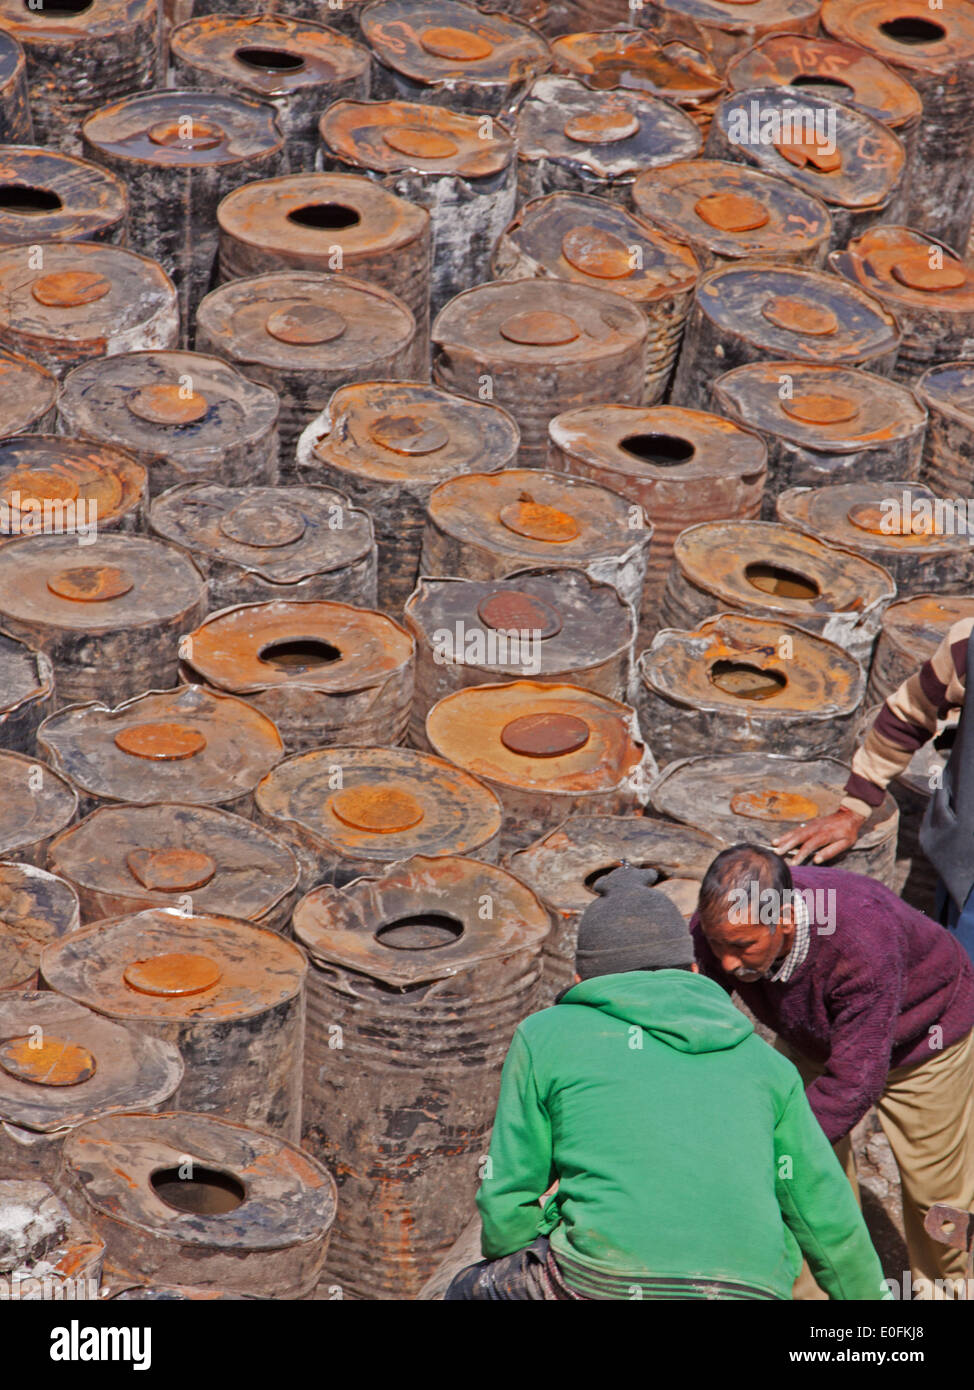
{"points": [[865, 998]]}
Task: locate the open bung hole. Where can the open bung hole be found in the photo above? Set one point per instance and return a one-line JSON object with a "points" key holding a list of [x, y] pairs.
{"points": [[663, 450], [423, 931], [55, 7], [828, 86], [22, 198], [269, 59], [207, 1193], [590, 880], [913, 29], [746, 682], [781, 582], [299, 654], [327, 217]]}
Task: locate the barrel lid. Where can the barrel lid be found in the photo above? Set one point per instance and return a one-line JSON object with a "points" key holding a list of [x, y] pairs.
{"points": [[948, 388], [268, 54], [903, 33], [362, 803], [631, 58], [563, 120], [918, 624], [321, 645], [160, 964], [35, 803], [393, 430], [241, 745], [61, 1064], [551, 738], [905, 267], [51, 196], [440, 41], [186, 128], [164, 403], [882, 519], [389, 136], [100, 19], [283, 534], [27, 392], [660, 443], [152, 854]]}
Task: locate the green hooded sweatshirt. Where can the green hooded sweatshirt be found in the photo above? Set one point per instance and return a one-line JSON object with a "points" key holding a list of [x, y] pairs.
{"points": [[689, 1163]]}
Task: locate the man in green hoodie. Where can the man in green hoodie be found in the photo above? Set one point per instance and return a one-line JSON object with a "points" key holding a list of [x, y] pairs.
{"points": [[688, 1161]]}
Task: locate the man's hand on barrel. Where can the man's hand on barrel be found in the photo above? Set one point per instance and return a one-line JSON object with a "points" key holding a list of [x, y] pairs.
{"points": [[824, 837]]}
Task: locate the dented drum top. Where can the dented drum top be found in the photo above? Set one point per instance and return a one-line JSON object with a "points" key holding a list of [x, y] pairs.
{"points": [[451, 54], [189, 745], [392, 137], [184, 415], [905, 33], [46, 196], [35, 908], [182, 130], [843, 71], [36, 803], [570, 137], [728, 212], [94, 486], [124, 859], [913, 629], [28, 394], [632, 58], [725, 27], [62, 303]]}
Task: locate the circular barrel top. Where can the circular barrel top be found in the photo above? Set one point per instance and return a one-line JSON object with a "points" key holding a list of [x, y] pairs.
{"points": [[399, 136], [63, 27], [883, 519], [902, 32], [187, 129], [47, 196], [948, 388], [35, 803], [271, 55], [27, 392], [919, 624], [632, 58], [94, 480], [908, 270], [437, 41], [663, 442]]}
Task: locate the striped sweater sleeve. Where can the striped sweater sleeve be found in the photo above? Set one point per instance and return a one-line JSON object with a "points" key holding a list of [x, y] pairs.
{"points": [[908, 719]]}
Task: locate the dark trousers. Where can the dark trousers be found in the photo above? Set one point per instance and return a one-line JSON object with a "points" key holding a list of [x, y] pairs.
{"points": [[511, 1279], [958, 920]]}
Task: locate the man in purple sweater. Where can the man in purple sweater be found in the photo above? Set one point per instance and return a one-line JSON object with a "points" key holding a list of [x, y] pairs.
{"points": [[874, 1003]]}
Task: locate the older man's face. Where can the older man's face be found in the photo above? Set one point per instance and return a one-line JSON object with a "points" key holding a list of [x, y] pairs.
{"points": [[747, 949]]}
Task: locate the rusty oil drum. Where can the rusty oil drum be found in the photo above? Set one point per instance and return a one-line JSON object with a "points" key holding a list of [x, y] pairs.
{"points": [[63, 303], [108, 615], [28, 396], [755, 797], [37, 908], [912, 630], [304, 335], [759, 312], [52, 483], [300, 67], [538, 347], [47, 1251], [573, 140], [947, 391], [261, 543], [228, 994], [125, 859], [26, 694], [36, 803], [679, 466], [185, 416], [548, 751], [463, 174], [422, 975], [824, 425], [325, 673], [554, 626], [934, 50], [180, 153], [728, 213], [62, 1065], [329, 223], [749, 684], [352, 811], [490, 525], [48, 196], [571, 236], [188, 745], [386, 445], [563, 866], [451, 54], [255, 1213], [925, 284], [724, 28], [81, 56], [921, 539], [633, 59], [15, 122], [768, 570]]}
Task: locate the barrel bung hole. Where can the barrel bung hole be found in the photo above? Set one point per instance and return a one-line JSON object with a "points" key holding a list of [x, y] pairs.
{"points": [[24, 199], [662, 450], [203, 1192], [596, 876], [56, 7], [421, 931], [913, 29], [269, 59], [781, 582], [746, 682], [325, 217], [299, 654], [828, 86]]}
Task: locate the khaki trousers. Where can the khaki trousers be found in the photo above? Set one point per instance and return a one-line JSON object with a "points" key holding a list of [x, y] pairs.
{"points": [[927, 1114]]}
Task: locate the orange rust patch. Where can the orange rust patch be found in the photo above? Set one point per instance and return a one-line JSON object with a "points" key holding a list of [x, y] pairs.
{"points": [[161, 742], [69, 289], [914, 270], [191, 134], [381, 810], [732, 212], [545, 735], [822, 409], [458, 44], [420, 144], [305, 324], [539, 328], [167, 404], [772, 805], [56, 1062], [91, 583], [800, 316], [40, 482], [602, 127], [409, 434], [804, 152], [509, 610], [868, 516], [538, 521], [170, 870], [173, 975], [597, 252]]}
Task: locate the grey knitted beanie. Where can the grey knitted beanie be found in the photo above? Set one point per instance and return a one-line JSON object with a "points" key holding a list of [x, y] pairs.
{"points": [[631, 927]]}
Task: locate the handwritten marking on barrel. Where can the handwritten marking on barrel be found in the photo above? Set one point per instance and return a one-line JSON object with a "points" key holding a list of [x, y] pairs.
{"points": [[170, 870], [459, 44], [305, 324], [773, 805], [545, 735], [70, 289], [510, 610], [56, 1062], [381, 810], [167, 404], [161, 742], [821, 409], [731, 212], [91, 583], [173, 975], [800, 316], [597, 252], [409, 434]]}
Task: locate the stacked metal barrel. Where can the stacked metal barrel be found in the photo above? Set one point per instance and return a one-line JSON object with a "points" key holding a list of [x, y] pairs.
{"points": [[444, 453]]}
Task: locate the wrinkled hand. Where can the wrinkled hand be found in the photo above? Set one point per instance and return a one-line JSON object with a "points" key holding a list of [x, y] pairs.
{"points": [[826, 836]]}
